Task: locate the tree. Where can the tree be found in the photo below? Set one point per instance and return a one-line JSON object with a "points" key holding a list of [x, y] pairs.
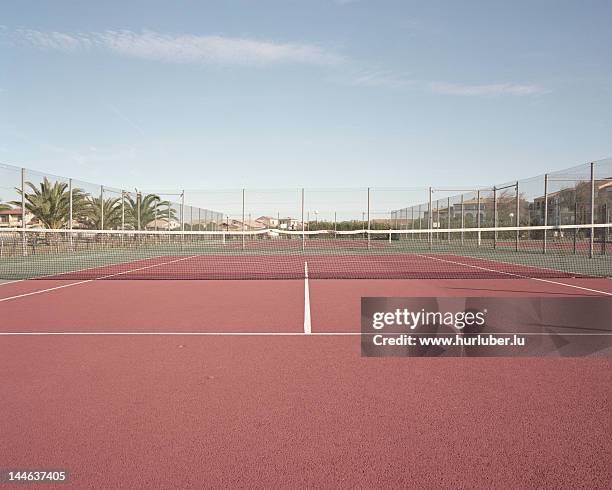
{"points": [[110, 210], [142, 210], [50, 203]]}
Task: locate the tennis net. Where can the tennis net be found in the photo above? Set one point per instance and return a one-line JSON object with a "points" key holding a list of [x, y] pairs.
{"points": [[509, 252]]}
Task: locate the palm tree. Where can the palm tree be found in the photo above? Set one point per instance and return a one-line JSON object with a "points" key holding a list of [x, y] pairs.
{"points": [[110, 211], [50, 203], [142, 210]]}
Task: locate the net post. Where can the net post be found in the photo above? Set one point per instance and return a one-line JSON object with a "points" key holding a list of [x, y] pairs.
{"points": [[544, 237], [478, 217], [24, 249], [101, 207], [517, 221], [368, 232], [243, 223], [495, 217], [430, 219], [303, 224], [592, 237]]}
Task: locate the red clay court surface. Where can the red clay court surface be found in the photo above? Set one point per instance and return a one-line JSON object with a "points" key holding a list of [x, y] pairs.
{"points": [[256, 402]]}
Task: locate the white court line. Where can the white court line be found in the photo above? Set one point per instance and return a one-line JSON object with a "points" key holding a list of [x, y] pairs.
{"points": [[307, 322], [516, 275], [94, 279]]}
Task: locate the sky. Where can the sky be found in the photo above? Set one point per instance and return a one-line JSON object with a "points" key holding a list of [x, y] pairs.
{"points": [[315, 93]]}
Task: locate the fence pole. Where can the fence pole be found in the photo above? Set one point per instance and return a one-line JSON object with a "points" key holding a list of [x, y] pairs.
{"points": [[70, 211], [575, 223], [303, 224], [478, 218], [368, 217], [101, 207], [448, 219], [592, 240], [24, 249], [545, 212], [430, 219], [517, 221], [138, 201], [462, 218], [122, 211], [495, 216], [438, 219], [604, 219], [243, 224], [335, 221], [183, 210], [70, 205]]}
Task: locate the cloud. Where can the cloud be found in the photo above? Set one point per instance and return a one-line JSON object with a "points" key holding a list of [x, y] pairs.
{"points": [[381, 79], [125, 119], [485, 90], [180, 48]]}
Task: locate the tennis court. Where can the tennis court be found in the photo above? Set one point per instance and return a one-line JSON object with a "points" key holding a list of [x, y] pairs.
{"points": [[165, 379]]}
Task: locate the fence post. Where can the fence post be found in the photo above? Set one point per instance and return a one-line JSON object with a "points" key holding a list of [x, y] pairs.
{"points": [[122, 210], [592, 240], [138, 201], [495, 217], [604, 220], [438, 219], [24, 248], [478, 220], [545, 212], [70, 205], [462, 218], [243, 224], [575, 223], [70, 211], [448, 220], [101, 207], [430, 219], [303, 224], [368, 232], [517, 221], [183, 210]]}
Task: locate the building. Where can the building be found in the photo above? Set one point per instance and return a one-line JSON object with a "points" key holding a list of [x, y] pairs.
{"points": [[11, 218]]}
